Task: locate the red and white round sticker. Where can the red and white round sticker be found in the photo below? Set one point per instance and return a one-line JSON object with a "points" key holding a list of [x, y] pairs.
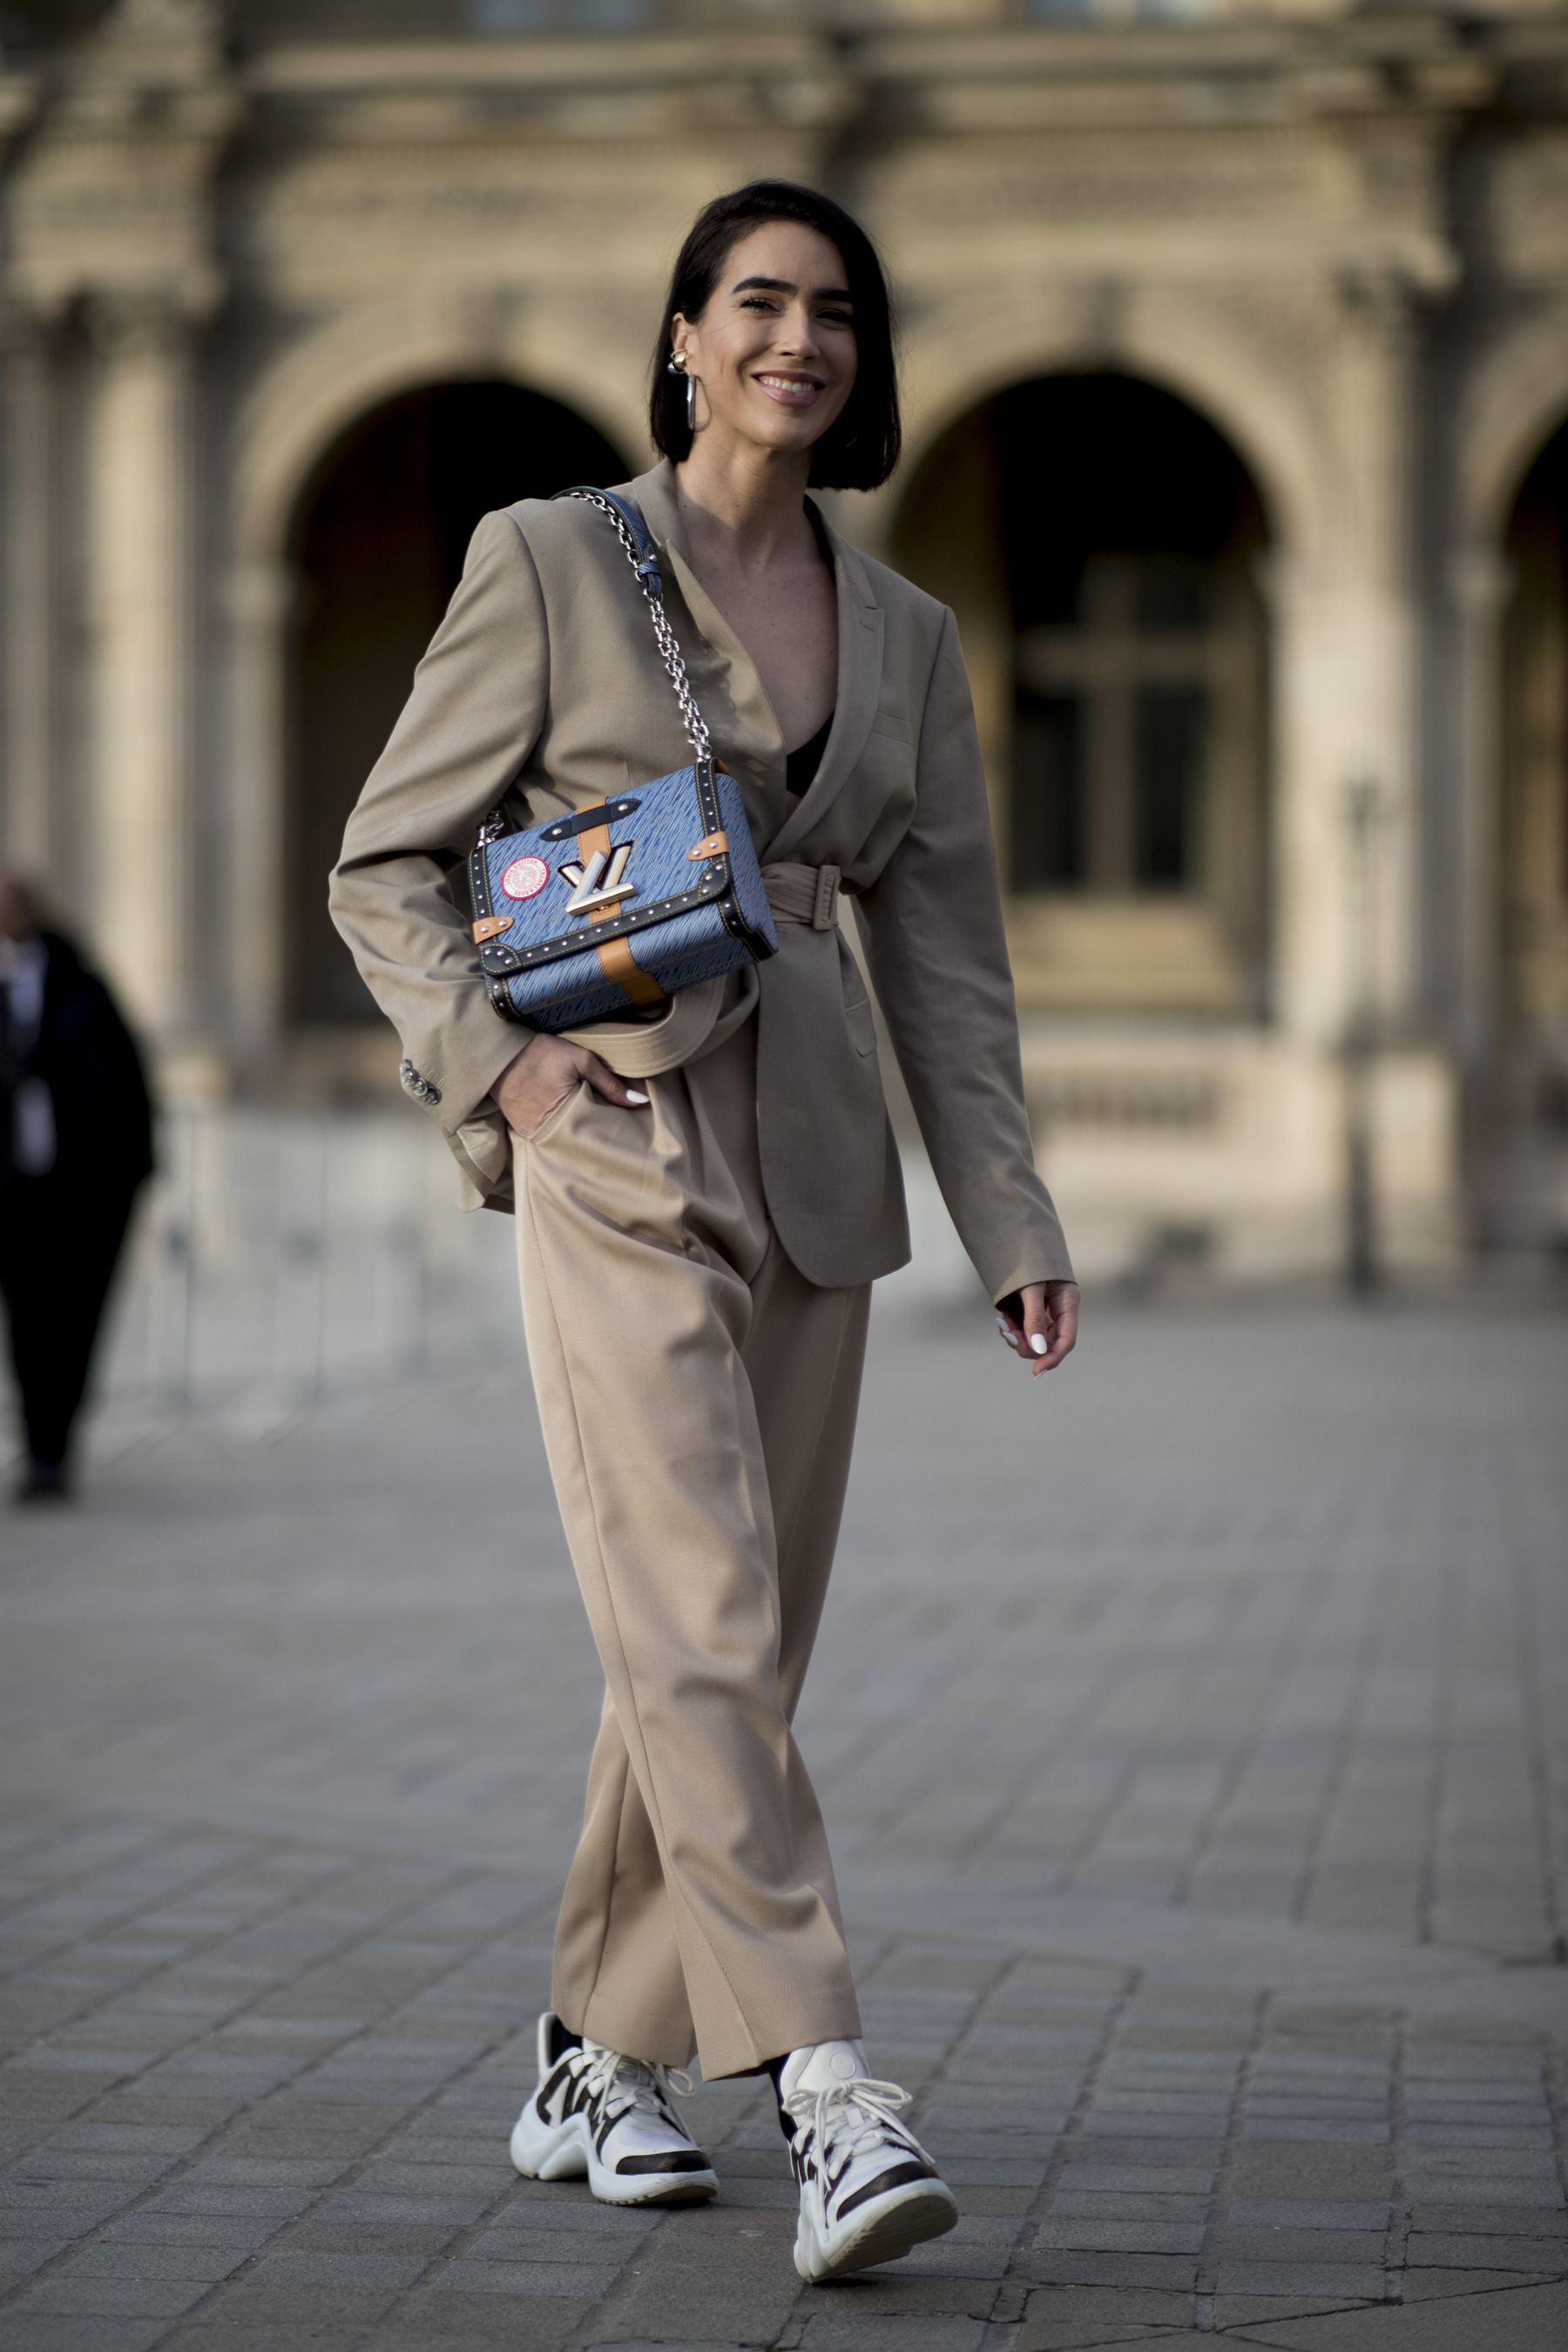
{"points": [[525, 878]]}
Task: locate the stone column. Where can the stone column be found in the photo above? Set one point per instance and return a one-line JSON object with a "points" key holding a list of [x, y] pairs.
{"points": [[1380, 625], [1308, 992], [1345, 647], [139, 837], [1480, 581], [28, 667], [1355, 824], [260, 593]]}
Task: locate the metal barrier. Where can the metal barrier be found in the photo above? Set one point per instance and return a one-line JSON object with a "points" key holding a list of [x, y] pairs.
{"points": [[288, 1260], [284, 1257]]}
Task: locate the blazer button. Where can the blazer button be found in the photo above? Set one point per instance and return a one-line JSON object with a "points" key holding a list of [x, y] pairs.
{"points": [[420, 1088]]}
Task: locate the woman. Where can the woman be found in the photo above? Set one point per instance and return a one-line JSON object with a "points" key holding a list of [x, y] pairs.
{"points": [[697, 1245]]}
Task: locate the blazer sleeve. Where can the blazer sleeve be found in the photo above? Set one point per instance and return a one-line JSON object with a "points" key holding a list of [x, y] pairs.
{"points": [[938, 955], [478, 702]]}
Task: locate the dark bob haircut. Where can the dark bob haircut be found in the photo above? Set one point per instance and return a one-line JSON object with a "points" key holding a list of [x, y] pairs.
{"points": [[860, 449]]}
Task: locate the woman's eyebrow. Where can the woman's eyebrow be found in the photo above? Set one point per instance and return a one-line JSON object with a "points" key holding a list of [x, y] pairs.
{"points": [[784, 286]]}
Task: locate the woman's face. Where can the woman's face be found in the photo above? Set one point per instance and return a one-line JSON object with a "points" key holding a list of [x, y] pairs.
{"points": [[774, 353]]}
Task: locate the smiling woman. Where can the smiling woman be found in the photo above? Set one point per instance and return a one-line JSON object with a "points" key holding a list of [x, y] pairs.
{"points": [[697, 1249], [776, 358], [853, 441]]}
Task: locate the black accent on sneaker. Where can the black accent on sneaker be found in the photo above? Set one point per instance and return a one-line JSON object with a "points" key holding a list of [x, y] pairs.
{"points": [[561, 2041], [672, 2160], [899, 2175], [548, 2089], [546, 2092], [688, 2159]]}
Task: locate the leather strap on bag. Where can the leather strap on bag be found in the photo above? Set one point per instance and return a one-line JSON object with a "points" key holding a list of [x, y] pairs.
{"points": [[616, 957]]}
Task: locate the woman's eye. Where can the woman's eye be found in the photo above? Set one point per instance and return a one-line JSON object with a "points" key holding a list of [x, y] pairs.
{"points": [[758, 302]]}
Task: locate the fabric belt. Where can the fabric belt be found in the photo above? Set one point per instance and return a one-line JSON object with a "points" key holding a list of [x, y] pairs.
{"points": [[803, 894]]}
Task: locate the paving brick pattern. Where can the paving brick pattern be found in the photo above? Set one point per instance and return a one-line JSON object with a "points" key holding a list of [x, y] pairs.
{"points": [[1194, 1732]]}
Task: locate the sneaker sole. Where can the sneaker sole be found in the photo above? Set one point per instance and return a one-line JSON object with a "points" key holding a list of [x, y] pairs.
{"points": [[565, 2152], [887, 2230]]}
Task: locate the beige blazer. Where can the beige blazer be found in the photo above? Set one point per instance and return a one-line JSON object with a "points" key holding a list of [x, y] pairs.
{"points": [[543, 684]]}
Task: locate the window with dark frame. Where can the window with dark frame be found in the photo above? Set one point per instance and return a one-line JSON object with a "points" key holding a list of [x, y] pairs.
{"points": [[1127, 522], [1113, 720]]}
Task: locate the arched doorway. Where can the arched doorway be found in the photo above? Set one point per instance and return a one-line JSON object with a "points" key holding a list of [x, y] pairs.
{"points": [[1534, 859], [1096, 538], [377, 547]]}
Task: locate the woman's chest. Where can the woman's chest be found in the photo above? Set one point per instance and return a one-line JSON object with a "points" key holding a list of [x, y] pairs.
{"points": [[788, 632]]}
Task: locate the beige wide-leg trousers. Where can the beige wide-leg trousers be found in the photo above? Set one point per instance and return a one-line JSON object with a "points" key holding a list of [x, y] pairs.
{"points": [[698, 1397]]}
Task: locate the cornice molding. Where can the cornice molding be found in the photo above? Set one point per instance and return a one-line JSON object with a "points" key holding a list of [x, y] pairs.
{"points": [[132, 323], [111, 194]]}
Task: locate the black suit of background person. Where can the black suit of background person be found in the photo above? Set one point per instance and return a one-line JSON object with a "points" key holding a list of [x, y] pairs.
{"points": [[75, 1142]]}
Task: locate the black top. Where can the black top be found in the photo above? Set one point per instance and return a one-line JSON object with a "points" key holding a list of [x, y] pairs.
{"points": [[801, 766]]}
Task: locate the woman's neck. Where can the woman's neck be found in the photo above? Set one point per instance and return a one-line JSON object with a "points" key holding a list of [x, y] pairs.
{"points": [[744, 503]]}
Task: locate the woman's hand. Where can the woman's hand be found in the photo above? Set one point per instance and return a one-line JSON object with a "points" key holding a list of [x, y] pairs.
{"points": [[544, 1073], [1049, 1327]]}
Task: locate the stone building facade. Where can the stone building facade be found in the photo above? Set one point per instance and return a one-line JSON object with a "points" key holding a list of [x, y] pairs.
{"points": [[1237, 368]]}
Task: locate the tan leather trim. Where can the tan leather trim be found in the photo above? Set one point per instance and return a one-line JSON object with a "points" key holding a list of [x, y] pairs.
{"points": [[717, 845], [615, 956], [489, 926]]}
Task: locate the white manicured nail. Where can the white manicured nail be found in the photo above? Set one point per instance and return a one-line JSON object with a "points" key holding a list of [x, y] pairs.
{"points": [[1039, 1343], [632, 1095]]}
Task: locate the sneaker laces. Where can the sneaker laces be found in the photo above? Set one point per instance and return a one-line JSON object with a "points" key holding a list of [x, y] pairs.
{"points": [[846, 2116], [642, 2084]]}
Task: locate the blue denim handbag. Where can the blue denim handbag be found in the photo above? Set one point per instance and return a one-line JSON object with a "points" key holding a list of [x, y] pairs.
{"points": [[630, 902]]}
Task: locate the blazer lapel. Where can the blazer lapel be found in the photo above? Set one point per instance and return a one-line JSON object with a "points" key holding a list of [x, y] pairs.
{"points": [[861, 627]]}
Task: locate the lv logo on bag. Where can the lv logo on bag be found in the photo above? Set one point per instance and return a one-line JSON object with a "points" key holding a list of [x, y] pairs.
{"points": [[593, 886]]}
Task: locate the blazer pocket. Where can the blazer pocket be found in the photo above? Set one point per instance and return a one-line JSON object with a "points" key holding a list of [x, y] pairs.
{"points": [[887, 722], [861, 1023]]}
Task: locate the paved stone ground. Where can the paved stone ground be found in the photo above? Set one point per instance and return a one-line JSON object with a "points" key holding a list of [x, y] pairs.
{"points": [[1194, 1733]]}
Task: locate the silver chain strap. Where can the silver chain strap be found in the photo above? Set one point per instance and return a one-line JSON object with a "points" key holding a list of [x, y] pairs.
{"points": [[649, 580], [652, 586]]}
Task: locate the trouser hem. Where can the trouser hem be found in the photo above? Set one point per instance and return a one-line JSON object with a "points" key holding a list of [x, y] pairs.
{"points": [[668, 2045]]}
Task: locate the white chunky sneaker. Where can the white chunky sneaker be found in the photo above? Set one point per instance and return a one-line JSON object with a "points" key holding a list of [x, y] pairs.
{"points": [[612, 2118], [868, 2191]]}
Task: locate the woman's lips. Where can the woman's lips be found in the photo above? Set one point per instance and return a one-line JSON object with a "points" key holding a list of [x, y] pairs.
{"points": [[793, 391]]}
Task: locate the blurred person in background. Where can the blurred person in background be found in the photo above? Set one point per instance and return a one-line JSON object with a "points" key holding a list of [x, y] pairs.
{"points": [[698, 1249], [75, 1143]]}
